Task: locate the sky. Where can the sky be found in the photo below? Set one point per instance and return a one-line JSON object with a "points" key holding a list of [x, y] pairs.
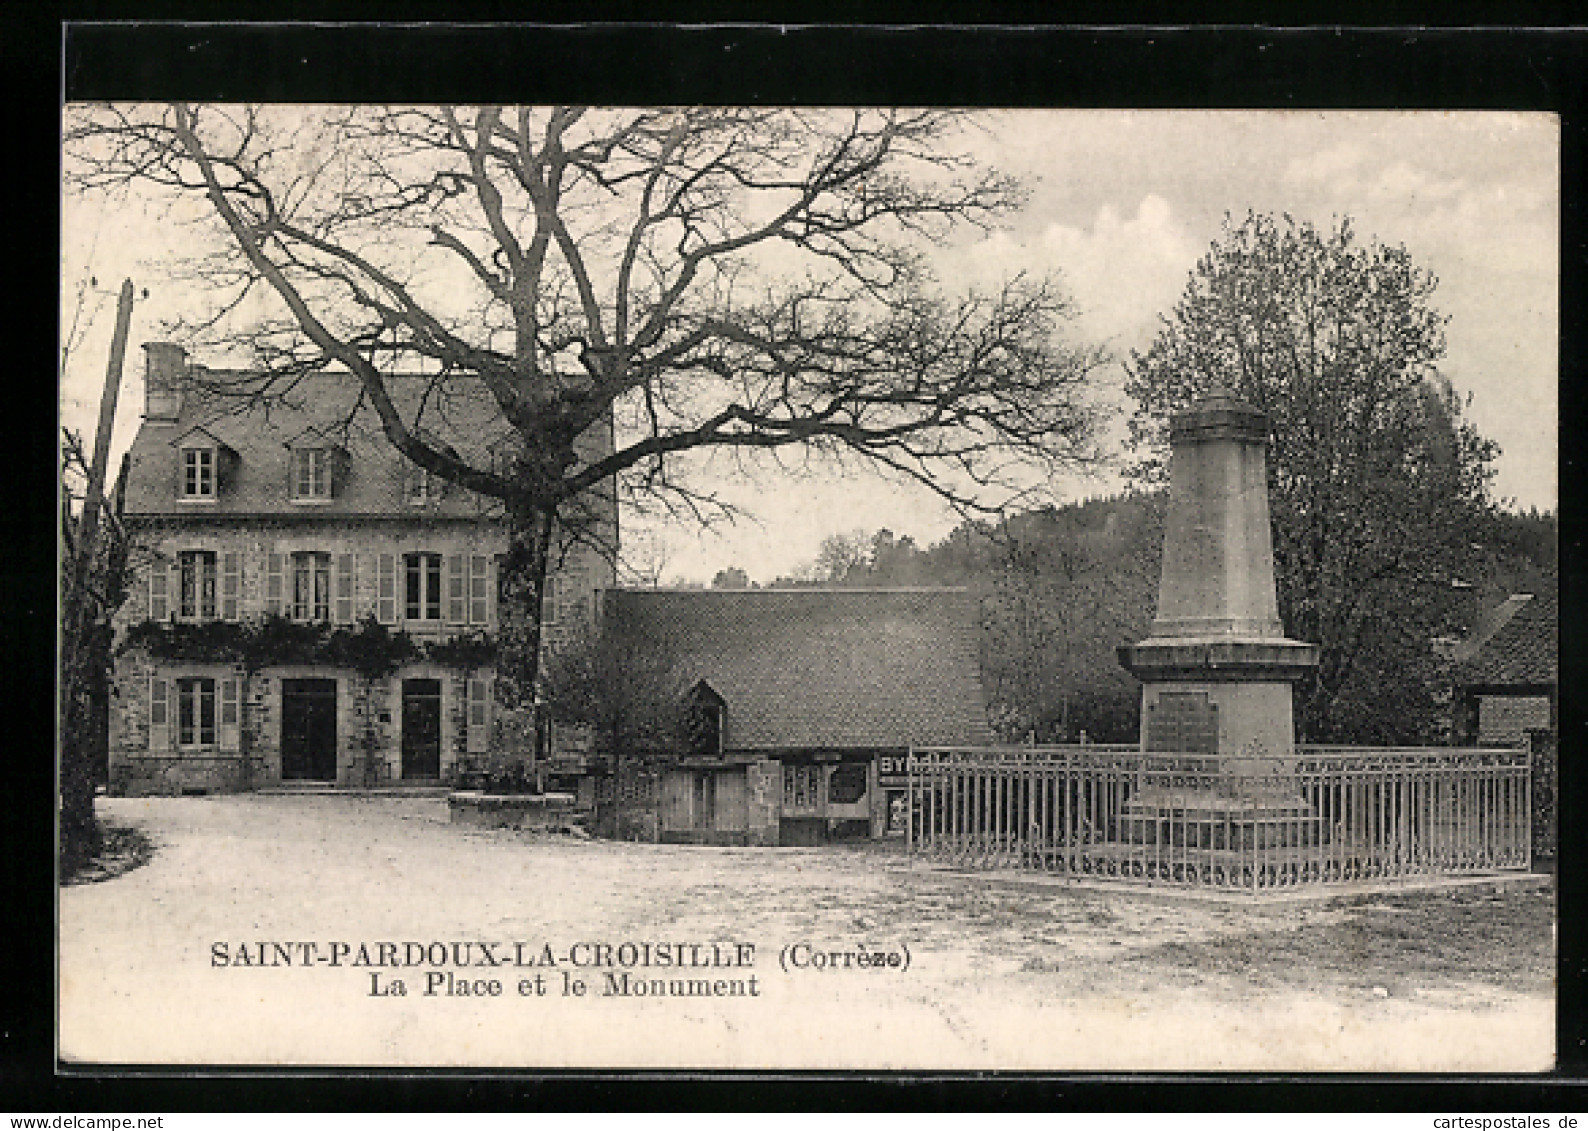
{"points": [[1121, 205]]}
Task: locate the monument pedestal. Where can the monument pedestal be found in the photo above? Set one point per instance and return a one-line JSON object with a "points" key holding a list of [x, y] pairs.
{"points": [[1221, 707]]}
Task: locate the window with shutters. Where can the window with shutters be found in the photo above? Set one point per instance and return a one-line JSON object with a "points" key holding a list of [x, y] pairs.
{"points": [[479, 718], [457, 597], [231, 585], [422, 587], [344, 588], [479, 589], [311, 474], [386, 588], [160, 608], [311, 586], [198, 473], [196, 590], [159, 713], [195, 712]]}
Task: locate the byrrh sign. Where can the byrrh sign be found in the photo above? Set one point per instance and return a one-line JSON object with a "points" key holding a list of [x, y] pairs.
{"points": [[893, 769]]}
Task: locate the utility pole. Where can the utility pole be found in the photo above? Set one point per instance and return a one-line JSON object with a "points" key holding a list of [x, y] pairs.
{"points": [[107, 415]]}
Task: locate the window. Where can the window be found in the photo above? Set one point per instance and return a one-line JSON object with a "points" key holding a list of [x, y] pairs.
{"points": [[802, 786], [195, 712], [198, 473], [422, 586], [847, 786], [311, 473], [311, 586], [196, 590]]}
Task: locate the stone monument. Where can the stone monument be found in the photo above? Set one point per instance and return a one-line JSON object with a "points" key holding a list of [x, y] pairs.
{"points": [[1216, 668]]}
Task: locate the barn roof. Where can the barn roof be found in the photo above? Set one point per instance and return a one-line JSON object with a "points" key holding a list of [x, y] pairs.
{"points": [[819, 669], [1517, 645]]}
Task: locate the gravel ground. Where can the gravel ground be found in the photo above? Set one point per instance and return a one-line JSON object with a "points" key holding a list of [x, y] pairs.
{"points": [[1000, 973]]}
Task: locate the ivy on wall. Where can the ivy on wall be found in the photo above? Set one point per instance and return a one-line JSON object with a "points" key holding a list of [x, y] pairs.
{"points": [[369, 647]]}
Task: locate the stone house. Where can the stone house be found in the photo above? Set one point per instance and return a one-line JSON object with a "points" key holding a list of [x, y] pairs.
{"points": [[1507, 673], [1507, 693], [297, 522], [804, 705]]}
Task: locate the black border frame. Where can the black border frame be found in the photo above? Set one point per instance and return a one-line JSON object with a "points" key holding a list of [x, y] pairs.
{"points": [[1163, 63]]}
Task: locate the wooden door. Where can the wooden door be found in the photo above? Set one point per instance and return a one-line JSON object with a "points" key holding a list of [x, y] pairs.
{"points": [[421, 728], [676, 788], [732, 813], [308, 729]]}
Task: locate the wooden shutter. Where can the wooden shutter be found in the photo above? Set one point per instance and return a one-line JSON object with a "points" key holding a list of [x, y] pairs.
{"points": [[479, 586], [273, 584], [386, 589], [479, 726], [231, 584], [457, 606], [343, 613], [159, 713], [159, 592], [230, 714]]}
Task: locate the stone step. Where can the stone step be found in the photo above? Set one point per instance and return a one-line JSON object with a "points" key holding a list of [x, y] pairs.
{"points": [[302, 789]]}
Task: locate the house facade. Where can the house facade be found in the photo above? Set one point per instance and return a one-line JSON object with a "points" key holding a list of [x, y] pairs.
{"points": [[803, 706], [307, 605]]}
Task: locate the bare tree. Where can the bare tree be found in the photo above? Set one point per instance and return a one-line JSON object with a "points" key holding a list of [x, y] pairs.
{"points": [[739, 280]]}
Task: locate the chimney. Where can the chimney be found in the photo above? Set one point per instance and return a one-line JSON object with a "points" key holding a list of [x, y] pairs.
{"points": [[164, 374]]}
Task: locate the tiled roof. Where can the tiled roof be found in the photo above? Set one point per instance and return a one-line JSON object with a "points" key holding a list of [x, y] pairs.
{"points": [[462, 415], [1517, 646], [820, 668]]}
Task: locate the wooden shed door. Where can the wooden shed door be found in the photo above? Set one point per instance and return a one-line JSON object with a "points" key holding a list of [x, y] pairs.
{"points": [[732, 813]]}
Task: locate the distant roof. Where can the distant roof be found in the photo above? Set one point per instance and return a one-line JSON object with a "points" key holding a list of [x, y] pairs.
{"points": [[461, 414], [820, 668], [1516, 645]]}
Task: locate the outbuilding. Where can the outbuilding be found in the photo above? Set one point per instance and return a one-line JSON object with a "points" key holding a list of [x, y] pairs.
{"points": [[804, 704]]}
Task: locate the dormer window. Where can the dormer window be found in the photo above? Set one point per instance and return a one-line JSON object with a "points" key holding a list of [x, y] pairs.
{"points": [[198, 473], [206, 466], [704, 715], [422, 488], [311, 474]]}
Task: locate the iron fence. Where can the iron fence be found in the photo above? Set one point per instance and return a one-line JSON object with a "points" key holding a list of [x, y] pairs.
{"points": [[1329, 815]]}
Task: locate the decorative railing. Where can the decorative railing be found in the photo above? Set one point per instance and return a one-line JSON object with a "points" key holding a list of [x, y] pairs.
{"points": [[1329, 815]]}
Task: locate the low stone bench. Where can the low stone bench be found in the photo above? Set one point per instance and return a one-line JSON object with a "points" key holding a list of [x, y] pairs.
{"points": [[511, 810]]}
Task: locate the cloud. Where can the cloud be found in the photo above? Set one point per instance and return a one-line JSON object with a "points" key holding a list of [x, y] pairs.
{"points": [[1333, 167], [1119, 272]]}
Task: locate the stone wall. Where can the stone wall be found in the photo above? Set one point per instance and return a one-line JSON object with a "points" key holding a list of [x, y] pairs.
{"points": [[764, 800]]}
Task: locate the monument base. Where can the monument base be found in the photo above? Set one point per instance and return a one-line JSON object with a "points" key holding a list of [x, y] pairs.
{"points": [[1206, 818]]}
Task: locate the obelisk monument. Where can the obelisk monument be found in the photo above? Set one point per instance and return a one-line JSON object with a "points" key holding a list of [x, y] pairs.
{"points": [[1216, 668]]}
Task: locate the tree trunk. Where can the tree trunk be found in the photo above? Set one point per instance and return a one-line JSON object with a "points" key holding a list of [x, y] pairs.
{"points": [[79, 830], [521, 584]]}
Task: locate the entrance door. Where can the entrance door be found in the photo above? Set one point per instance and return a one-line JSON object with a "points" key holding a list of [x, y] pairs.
{"points": [[308, 729], [421, 728]]}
